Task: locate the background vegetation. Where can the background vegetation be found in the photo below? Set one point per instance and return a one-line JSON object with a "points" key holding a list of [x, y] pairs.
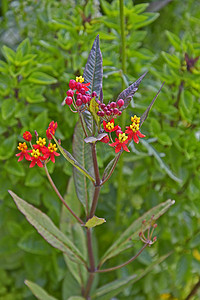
{"points": [[43, 45]]}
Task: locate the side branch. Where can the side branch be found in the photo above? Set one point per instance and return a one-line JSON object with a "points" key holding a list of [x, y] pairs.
{"points": [[124, 264], [60, 197]]}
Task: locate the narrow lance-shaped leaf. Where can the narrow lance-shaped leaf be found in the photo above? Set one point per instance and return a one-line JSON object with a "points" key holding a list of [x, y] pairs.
{"points": [[128, 93], [125, 240], [153, 152], [47, 229], [83, 154], [38, 292], [110, 166], [145, 114], [113, 288], [73, 161], [93, 73]]}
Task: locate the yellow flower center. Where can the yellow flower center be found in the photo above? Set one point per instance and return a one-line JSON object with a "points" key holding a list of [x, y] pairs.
{"points": [[35, 153], [110, 126], [41, 142], [135, 127], [22, 147], [122, 137], [79, 79], [135, 119], [52, 147]]}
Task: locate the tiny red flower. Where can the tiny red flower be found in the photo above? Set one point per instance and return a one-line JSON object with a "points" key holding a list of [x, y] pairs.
{"points": [[120, 143], [109, 127], [27, 136], [50, 152], [36, 158], [24, 152]]}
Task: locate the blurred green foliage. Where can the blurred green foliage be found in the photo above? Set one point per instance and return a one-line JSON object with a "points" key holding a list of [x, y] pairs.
{"points": [[43, 45]]}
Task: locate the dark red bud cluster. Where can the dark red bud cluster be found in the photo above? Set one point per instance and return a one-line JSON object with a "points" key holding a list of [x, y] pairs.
{"points": [[111, 109], [77, 94]]}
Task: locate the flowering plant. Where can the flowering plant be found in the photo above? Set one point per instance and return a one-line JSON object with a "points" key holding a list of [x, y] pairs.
{"points": [[97, 124]]}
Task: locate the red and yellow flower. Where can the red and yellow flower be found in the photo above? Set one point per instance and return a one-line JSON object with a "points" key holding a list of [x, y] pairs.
{"points": [[24, 152], [133, 130], [51, 129], [110, 126], [50, 152], [36, 158], [120, 143]]}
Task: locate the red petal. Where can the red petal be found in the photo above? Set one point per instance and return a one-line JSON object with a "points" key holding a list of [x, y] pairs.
{"points": [[21, 156], [125, 148], [39, 163], [118, 148], [135, 138], [140, 134], [32, 164]]}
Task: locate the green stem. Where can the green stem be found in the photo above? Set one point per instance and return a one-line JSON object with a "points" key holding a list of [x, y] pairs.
{"points": [[60, 197], [123, 64]]}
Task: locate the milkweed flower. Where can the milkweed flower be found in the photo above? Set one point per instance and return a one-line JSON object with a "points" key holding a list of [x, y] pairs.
{"points": [[51, 129], [110, 127], [24, 152], [36, 158], [120, 143], [50, 152], [133, 130]]}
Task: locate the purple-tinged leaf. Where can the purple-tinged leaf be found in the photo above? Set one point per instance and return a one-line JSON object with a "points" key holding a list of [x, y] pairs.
{"points": [[145, 114], [47, 229], [83, 154], [94, 139], [128, 93], [93, 71]]}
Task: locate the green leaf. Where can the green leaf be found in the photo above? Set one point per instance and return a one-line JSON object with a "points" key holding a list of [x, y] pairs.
{"points": [[172, 60], [70, 287], [14, 167], [112, 289], [38, 292], [73, 161], [110, 166], [76, 298], [83, 154], [24, 47], [125, 240], [8, 107], [47, 229], [40, 122], [174, 40], [128, 93], [31, 242], [7, 147], [9, 54], [94, 221], [41, 78], [153, 152]]}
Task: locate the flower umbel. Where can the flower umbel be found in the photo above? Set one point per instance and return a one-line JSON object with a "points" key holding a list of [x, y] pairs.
{"points": [[120, 143], [133, 130]]}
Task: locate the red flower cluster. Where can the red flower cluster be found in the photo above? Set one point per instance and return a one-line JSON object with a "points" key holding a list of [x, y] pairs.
{"points": [[39, 152], [110, 110], [77, 94], [122, 139]]}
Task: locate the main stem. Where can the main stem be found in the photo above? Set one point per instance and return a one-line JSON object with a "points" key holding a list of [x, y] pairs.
{"points": [[92, 212]]}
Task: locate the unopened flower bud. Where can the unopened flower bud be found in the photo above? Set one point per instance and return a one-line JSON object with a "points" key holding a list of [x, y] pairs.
{"points": [[144, 221], [155, 225], [155, 238]]}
